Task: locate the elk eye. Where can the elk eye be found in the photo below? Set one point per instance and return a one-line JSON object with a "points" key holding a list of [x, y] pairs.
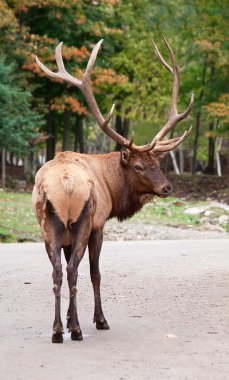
{"points": [[138, 168]]}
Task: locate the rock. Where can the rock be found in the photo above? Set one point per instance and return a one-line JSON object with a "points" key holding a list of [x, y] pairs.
{"points": [[205, 220], [196, 210], [223, 219], [136, 230], [222, 206], [209, 213], [206, 209]]}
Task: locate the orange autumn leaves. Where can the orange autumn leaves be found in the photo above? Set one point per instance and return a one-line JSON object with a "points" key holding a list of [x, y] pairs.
{"points": [[25, 5], [102, 77], [220, 109], [60, 104]]}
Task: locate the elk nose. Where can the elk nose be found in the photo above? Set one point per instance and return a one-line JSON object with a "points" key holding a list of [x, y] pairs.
{"points": [[167, 190]]}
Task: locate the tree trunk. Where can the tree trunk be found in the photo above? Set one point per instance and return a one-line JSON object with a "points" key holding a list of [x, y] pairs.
{"points": [[11, 158], [121, 125], [67, 129], [195, 143], [174, 161], [126, 126], [181, 158], [211, 151], [118, 126], [79, 136], [218, 164], [226, 172], [211, 140], [218, 146], [198, 118], [30, 167], [51, 141], [3, 168], [165, 164]]}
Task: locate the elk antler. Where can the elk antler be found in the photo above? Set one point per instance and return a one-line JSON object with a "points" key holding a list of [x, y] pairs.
{"points": [[174, 117], [86, 88]]}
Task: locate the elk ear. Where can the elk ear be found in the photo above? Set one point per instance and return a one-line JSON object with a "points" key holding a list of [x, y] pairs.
{"points": [[125, 157]]}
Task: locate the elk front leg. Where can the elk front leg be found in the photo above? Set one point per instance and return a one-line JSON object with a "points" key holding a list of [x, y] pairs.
{"points": [[94, 246]]}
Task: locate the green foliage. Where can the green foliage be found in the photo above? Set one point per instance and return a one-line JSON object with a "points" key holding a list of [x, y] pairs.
{"points": [[127, 71], [18, 123]]}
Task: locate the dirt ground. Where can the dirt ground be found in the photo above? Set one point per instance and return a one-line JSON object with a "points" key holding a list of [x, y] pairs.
{"points": [[201, 187], [167, 304]]}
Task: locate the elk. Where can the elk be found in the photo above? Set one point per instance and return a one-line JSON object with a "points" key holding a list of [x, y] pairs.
{"points": [[75, 194]]}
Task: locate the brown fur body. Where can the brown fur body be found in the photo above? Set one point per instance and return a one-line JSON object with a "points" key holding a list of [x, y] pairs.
{"points": [[71, 179], [73, 196]]}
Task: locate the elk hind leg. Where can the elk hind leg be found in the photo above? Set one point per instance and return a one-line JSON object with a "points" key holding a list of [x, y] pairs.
{"points": [[94, 246], [57, 336], [67, 253], [80, 231], [53, 248]]}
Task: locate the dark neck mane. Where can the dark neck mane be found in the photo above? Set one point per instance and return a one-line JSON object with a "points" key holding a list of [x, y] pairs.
{"points": [[125, 200]]}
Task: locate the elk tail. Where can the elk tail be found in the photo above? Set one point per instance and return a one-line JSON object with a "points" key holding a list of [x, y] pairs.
{"points": [[68, 183]]}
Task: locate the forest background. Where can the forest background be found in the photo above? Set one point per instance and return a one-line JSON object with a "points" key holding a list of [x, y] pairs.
{"points": [[40, 116]]}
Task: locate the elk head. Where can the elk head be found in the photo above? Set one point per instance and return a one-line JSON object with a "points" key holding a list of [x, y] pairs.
{"points": [[141, 162]]}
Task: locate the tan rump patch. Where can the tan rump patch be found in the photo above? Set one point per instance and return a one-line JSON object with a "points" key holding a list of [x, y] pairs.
{"points": [[67, 182]]}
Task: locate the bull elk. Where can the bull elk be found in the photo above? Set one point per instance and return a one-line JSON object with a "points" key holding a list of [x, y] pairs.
{"points": [[75, 194]]}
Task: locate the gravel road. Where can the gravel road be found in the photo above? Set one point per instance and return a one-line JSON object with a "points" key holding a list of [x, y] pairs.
{"points": [[167, 303]]}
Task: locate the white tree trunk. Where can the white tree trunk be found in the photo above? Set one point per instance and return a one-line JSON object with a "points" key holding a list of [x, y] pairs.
{"points": [[218, 162], [174, 161]]}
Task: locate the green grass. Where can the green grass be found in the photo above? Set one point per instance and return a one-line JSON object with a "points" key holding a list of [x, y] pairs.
{"points": [[169, 211], [18, 223], [17, 220]]}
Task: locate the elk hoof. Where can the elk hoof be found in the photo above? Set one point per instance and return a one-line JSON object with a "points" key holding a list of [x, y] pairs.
{"points": [[102, 325], [57, 337], [76, 335]]}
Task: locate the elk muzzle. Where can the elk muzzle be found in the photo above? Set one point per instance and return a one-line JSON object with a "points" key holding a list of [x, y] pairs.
{"points": [[165, 190]]}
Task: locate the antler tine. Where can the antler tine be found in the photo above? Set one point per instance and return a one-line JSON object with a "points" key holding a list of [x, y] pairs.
{"points": [[174, 116], [175, 73], [131, 140], [44, 68], [109, 115], [166, 146], [91, 61], [167, 142], [171, 122], [62, 73], [164, 63], [184, 114], [59, 59]]}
